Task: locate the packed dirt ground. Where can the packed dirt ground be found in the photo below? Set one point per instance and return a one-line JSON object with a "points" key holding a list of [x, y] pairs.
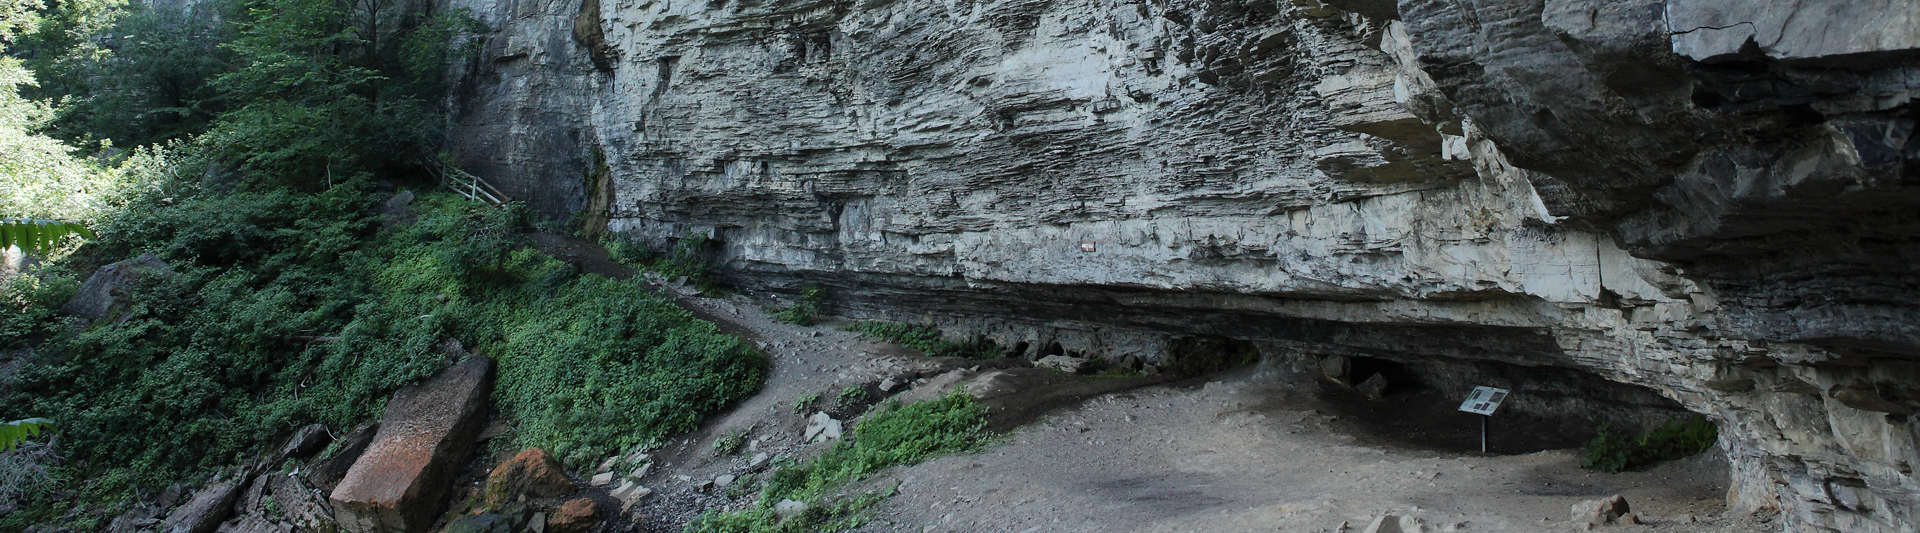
{"points": [[1260, 448]]}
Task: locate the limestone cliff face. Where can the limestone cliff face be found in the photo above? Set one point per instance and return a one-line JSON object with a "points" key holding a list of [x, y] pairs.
{"points": [[1718, 201]]}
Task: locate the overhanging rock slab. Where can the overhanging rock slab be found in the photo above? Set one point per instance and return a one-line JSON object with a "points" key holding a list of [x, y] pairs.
{"points": [[400, 484]]}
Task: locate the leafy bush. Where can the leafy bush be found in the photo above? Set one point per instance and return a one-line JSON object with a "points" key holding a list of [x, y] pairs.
{"points": [[217, 361], [927, 339], [688, 259], [1608, 452], [730, 443], [805, 310], [893, 435]]}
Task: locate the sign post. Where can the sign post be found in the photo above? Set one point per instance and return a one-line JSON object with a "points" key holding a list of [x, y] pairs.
{"points": [[1484, 401]]}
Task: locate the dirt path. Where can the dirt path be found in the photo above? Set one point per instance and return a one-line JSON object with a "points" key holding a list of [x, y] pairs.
{"points": [[1259, 449], [1255, 452]]}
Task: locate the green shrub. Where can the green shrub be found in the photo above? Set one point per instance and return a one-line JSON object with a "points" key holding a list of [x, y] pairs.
{"points": [[214, 363], [1676, 439], [805, 309], [687, 259], [892, 435], [927, 339], [801, 404], [730, 443]]}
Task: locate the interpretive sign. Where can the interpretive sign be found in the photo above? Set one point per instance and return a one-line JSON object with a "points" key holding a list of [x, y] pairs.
{"points": [[1484, 400]]}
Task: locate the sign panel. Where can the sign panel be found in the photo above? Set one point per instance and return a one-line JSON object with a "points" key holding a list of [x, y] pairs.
{"points": [[1484, 400]]}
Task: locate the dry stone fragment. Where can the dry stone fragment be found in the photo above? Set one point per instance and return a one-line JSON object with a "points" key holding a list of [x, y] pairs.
{"points": [[1600, 511], [1335, 368], [630, 494], [532, 473], [327, 475], [1374, 387], [307, 441], [821, 427], [400, 484], [104, 294], [579, 515], [206, 510], [1071, 365], [301, 505]]}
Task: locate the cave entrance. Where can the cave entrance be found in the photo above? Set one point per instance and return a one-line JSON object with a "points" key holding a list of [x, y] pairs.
{"points": [[1550, 407]]}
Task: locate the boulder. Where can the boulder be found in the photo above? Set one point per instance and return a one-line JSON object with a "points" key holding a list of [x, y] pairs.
{"points": [[1390, 523], [578, 515], [485, 523], [1071, 365], [821, 427], [308, 441], [531, 474], [400, 484], [789, 508], [630, 494], [299, 504], [204, 512], [1335, 368], [328, 473], [1374, 387], [1600, 511], [104, 293], [254, 523]]}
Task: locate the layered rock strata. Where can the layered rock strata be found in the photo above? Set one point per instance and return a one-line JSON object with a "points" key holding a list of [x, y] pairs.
{"points": [[1712, 200]]}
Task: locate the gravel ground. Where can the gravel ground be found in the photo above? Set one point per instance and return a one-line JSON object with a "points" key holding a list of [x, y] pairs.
{"points": [[1251, 450]]}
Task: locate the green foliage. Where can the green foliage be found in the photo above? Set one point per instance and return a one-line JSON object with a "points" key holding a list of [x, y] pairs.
{"points": [[28, 303], [688, 259], [1676, 439], [804, 310], [730, 443], [927, 339], [852, 395], [15, 432], [624, 251], [39, 236], [893, 435], [211, 367], [801, 404], [141, 74], [39, 175]]}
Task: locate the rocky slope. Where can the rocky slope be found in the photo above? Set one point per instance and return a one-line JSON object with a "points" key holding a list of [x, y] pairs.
{"points": [[1617, 209]]}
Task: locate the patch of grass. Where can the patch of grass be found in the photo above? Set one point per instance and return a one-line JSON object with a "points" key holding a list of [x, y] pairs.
{"points": [[805, 310], [801, 404], [1676, 439], [852, 395], [892, 435], [730, 442], [927, 339]]}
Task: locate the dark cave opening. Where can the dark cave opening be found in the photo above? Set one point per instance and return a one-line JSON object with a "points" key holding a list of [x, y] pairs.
{"points": [[1548, 408]]}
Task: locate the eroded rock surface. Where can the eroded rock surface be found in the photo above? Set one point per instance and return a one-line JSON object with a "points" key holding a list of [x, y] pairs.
{"points": [[400, 484], [1716, 201]]}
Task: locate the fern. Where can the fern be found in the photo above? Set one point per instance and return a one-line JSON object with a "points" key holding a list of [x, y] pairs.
{"points": [[15, 432], [38, 236]]}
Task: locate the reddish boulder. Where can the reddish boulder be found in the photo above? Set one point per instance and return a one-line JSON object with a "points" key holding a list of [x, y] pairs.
{"points": [[532, 473], [400, 484], [576, 516]]}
